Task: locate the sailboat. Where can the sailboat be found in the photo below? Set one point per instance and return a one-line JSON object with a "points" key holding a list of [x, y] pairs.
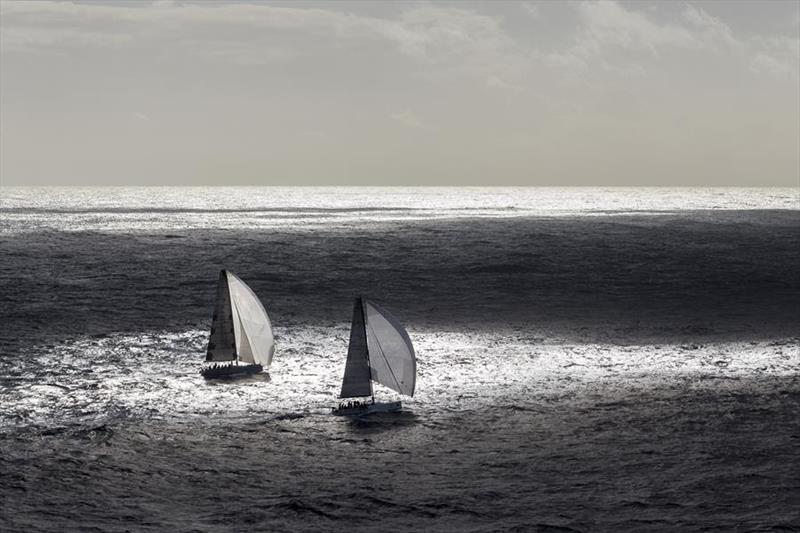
{"points": [[380, 351], [241, 340]]}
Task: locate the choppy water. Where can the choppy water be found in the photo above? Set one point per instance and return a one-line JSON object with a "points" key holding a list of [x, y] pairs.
{"points": [[589, 360]]}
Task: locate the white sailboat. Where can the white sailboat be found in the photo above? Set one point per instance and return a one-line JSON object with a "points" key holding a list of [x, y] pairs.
{"points": [[381, 351], [241, 340]]}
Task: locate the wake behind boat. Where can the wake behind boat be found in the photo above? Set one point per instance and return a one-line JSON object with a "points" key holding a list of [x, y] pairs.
{"points": [[241, 332], [380, 350]]}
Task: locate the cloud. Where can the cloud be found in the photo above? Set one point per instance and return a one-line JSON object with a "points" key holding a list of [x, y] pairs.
{"points": [[708, 29], [31, 37], [448, 35], [778, 57], [425, 31], [531, 9], [611, 36], [605, 28], [407, 118], [608, 24], [763, 63], [571, 60], [629, 71], [443, 41], [607, 37], [495, 82]]}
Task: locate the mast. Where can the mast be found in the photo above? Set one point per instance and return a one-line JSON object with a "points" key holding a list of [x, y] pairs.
{"points": [[233, 306], [234, 318], [238, 323], [369, 365]]}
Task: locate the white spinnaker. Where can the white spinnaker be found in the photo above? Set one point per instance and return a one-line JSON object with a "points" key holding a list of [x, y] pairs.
{"points": [[391, 355], [245, 351], [254, 339]]}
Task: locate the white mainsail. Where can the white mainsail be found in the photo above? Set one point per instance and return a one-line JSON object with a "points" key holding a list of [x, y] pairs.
{"points": [[380, 350], [241, 329]]}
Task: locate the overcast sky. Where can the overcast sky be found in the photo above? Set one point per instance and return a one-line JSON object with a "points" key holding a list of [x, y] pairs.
{"points": [[462, 93]]}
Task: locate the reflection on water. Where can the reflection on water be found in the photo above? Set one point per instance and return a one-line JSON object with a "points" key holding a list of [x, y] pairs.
{"points": [[177, 209], [378, 422], [90, 381]]}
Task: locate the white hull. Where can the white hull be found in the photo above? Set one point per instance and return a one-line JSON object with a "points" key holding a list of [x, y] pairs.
{"points": [[388, 407]]}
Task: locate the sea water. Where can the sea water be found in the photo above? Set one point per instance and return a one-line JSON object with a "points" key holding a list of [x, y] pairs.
{"points": [[588, 359]]}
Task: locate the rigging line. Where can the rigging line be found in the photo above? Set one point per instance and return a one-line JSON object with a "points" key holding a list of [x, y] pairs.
{"points": [[366, 346]]}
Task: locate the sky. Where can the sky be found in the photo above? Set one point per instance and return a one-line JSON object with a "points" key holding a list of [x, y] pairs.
{"points": [[419, 93]]}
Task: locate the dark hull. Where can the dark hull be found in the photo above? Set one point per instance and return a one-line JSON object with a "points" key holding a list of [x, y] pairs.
{"points": [[389, 407], [230, 372]]}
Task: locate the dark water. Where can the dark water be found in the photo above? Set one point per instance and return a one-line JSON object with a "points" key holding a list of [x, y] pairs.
{"points": [[589, 366]]}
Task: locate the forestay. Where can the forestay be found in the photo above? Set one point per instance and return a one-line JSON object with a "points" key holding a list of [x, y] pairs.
{"points": [[391, 355]]}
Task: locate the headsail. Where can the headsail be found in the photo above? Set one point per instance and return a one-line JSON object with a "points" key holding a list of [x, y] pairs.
{"points": [[253, 331], [222, 341], [356, 380], [391, 354]]}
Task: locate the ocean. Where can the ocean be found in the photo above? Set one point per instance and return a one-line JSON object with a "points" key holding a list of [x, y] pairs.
{"points": [[588, 359]]}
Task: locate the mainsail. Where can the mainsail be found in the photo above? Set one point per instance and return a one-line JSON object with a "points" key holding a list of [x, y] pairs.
{"points": [[380, 350], [356, 380], [241, 329], [222, 341]]}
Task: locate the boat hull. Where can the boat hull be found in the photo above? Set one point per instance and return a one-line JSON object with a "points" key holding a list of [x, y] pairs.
{"points": [[230, 372], [360, 410]]}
